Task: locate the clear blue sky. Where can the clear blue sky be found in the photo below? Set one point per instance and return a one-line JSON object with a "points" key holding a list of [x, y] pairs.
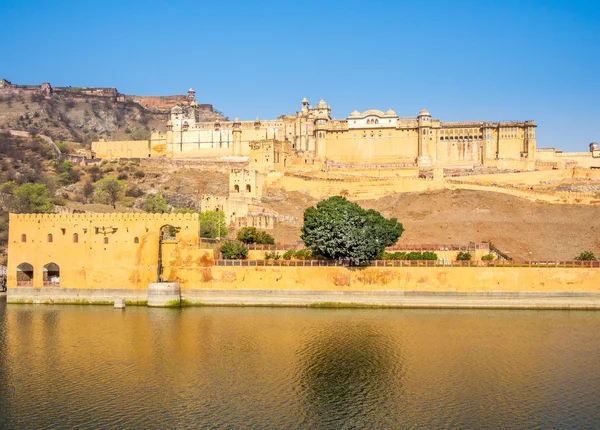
{"points": [[462, 60]]}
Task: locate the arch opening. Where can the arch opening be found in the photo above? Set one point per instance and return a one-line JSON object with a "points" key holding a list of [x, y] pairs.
{"points": [[24, 275], [51, 273]]}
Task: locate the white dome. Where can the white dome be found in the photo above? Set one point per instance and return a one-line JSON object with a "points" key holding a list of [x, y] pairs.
{"points": [[322, 105], [355, 113], [424, 112]]}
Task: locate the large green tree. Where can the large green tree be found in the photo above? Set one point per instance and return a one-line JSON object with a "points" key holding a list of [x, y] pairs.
{"points": [[212, 224], [337, 228]]}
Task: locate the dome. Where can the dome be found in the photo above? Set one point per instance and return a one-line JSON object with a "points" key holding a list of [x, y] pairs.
{"points": [[176, 109], [304, 100], [236, 119], [322, 105], [390, 112], [424, 112], [191, 90], [355, 113]]}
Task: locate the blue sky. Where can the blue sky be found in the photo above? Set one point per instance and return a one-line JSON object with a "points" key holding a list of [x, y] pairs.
{"points": [[462, 60]]}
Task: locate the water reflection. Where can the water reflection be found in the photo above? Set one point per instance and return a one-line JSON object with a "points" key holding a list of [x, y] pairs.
{"points": [[351, 366], [78, 366]]}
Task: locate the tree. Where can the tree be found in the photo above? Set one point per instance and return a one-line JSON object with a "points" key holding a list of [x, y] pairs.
{"points": [[87, 190], [233, 250], [253, 235], [586, 256], [31, 198], [212, 224], [337, 228], [155, 204], [108, 191]]}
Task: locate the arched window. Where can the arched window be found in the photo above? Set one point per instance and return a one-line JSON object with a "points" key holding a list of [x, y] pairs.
{"points": [[106, 240], [23, 238], [49, 237], [237, 188], [51, 275], [249, 188], [376, 121], [75, 238], [136, 240], [24, 275]]}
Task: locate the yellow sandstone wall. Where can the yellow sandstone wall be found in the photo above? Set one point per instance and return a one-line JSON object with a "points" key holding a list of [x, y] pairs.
{"points": [[121, 149], [128, 260], [435, 279], [359, 189]]}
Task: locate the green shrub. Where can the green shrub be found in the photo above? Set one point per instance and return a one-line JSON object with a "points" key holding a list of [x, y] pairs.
{"points": [[289, 254], [429, 255], [394, 256], [233, 250], [586, 256], [488, 257], [463, 256], [303, 254], [253, 235], [272, 255]]}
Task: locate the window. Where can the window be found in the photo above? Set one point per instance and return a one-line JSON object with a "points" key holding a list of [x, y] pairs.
{"points": [[75, 238], [23, 238], [249, 188], [136, 240], [106, 240], [49, 237]]}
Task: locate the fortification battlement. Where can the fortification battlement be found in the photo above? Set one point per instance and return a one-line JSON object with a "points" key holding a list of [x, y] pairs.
{"points": [[123, 216]]}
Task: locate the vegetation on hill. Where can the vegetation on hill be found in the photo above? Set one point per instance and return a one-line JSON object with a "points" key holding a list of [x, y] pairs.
{"points": [[81, 120]]}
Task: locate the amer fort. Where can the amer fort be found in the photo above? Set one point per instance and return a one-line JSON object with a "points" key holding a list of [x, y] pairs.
{"points": [[161, 259]]}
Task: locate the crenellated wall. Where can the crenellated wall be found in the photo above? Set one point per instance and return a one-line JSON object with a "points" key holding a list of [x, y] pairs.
{"points": [[107, 250]]}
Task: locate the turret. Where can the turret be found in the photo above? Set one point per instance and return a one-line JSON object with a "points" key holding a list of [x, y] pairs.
{"points": [[237, 137], [320, 133], [425, 136], [304, 105], [191, 96]]}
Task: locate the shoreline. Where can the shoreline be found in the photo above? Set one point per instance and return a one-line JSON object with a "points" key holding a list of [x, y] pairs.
{"points": [[564, 300]]}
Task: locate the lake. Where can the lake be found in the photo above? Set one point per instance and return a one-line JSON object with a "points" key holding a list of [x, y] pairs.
{"points": [[97, 367]]}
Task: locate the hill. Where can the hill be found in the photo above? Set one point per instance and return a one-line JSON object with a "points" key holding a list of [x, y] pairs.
{"points": [[521, 228], [70, 116]]}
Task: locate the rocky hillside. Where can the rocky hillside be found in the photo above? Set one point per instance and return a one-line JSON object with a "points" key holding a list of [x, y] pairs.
{"points": [[81, 120], [523, 229]]}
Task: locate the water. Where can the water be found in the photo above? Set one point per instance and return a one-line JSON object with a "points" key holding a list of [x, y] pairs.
{"points": [[96, 367]]}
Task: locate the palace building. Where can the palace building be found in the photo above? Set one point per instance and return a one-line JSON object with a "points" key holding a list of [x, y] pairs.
{"points": [[372, 136]]}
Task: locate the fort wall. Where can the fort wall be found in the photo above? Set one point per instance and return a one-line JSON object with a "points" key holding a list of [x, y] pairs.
{"points": [[121, 149], [361, 188], [474, 287]]}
